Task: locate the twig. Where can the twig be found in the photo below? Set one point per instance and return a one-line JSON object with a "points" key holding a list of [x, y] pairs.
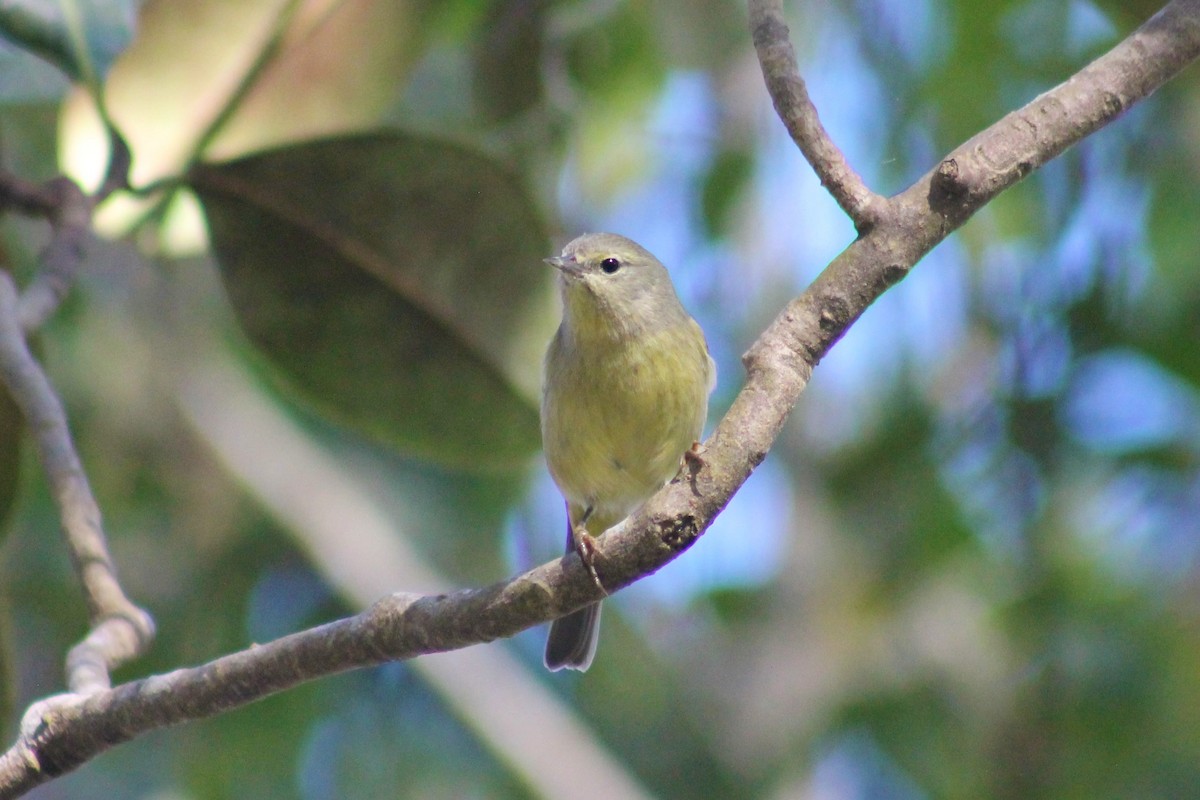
{"points": [[790, 96], [60, 736], [29, 198], [70, 216], [69, 212], [120, 630]]}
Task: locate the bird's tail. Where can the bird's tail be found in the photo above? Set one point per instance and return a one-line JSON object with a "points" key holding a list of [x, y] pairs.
{"points": [[572, 640]]}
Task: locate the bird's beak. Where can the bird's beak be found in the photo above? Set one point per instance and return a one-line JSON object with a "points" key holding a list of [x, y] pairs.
{"points": [[568, 266]]}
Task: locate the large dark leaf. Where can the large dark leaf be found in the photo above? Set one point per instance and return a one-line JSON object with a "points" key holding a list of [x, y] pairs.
{"points": [[396, 283]]}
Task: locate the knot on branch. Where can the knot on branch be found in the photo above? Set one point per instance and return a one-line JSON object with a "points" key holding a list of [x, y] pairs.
{"points": [[948, 179], [950, 191], [678, 533], [834, 317], [40, 728], [893, 274]]}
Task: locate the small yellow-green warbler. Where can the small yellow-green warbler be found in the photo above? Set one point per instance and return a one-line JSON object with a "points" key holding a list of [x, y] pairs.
{"points": [[627, 379]]}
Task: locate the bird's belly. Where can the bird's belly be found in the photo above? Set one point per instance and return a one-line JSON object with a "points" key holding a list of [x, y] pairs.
{"points": [[612, 447], [620, 474]]}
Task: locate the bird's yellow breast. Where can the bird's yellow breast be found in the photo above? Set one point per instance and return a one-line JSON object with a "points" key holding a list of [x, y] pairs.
{"points": [[618, 415]]}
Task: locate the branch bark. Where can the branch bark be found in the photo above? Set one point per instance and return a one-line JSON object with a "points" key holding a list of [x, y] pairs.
{"points": [[60, 734]]}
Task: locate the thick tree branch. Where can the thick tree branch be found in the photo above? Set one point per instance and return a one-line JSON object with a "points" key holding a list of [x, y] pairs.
{"points": [[61, 734], [789, 93]]}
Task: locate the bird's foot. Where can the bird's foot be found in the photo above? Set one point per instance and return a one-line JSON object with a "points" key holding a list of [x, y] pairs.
{"points": [[691, 464], [585, 547]]}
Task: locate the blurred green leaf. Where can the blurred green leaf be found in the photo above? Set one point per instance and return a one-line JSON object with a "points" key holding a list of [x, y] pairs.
{"points": [[617, 54], [727, 178], [27, 141], [11, 642], [1130, 13], [895, 499], [80, 38], [11, 430], [699, 34], [617, 64], [8, 663], [508, 58], [633, 699], [10, 458], [395, 283]]}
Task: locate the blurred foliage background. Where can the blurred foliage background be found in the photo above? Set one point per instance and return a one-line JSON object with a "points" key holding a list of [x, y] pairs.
{"points": [[968, 569]]}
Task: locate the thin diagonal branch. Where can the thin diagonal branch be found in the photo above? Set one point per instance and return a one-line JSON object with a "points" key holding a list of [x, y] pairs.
{"points": [[120, 630], [789, 93], [60, 735]]}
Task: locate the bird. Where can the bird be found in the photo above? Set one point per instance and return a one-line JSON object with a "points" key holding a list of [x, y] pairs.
{"points": [[627, 378]]}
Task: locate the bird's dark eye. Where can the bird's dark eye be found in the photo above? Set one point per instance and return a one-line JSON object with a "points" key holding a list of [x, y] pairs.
{"points": [[610, 265]]}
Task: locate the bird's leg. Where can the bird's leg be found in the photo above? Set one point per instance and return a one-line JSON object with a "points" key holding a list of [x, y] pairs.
{"points": [[691, 463], [585, 546]]}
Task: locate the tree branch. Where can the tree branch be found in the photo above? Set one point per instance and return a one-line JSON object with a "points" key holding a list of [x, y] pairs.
{"points": [[789, 93], [61, 734], [69, 211], [120, 630]]}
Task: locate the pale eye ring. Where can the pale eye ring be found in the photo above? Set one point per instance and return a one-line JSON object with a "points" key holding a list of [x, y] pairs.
{"points": [[610, 265]]}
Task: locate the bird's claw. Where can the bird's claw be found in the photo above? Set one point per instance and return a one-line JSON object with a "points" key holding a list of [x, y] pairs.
{"points": [[585, 548], [691, 464]]}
